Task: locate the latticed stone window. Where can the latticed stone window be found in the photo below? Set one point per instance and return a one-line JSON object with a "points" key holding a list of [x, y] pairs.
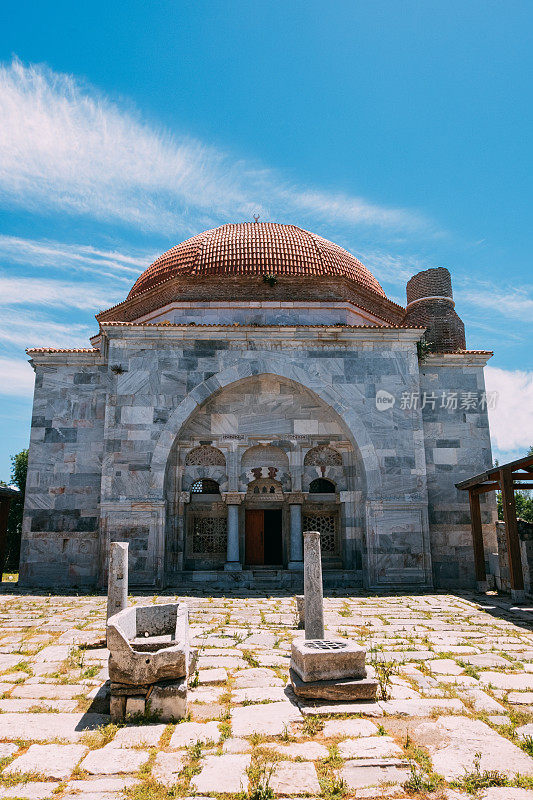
{"points": [[323, 456], [205, 456], [209, 535], [326, 525], [205, 486]]}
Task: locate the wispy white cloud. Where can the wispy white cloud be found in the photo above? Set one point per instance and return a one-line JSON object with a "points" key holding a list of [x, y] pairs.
{"points": [[79, 257], [16, 377], [511, 421], [59, 294], [66, 148], [392, 268], [20, 330], [510, 301]]}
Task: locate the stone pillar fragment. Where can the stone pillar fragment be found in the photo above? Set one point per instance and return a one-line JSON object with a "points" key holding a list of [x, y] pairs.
{"points": [[117, 579], [313, 594], [296, 542]]}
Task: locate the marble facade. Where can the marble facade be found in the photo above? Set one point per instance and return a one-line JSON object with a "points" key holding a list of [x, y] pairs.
{"points": [[122, 437]]}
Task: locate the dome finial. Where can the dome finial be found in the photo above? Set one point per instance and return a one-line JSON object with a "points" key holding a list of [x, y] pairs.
{"points": [[256, 217]]}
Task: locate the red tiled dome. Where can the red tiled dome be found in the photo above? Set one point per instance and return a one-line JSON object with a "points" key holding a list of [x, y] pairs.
{"points": [[255, 248]]}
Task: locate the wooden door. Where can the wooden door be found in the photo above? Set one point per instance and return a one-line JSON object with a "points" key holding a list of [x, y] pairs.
{"points": [[255, 536]]}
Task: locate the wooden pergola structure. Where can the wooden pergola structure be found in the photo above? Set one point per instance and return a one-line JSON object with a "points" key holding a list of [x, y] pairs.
{"points": [[505, 478]]}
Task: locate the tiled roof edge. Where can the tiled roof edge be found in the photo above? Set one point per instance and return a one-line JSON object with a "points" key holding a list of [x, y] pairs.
{"points": [[242, 325], [31, 350]]}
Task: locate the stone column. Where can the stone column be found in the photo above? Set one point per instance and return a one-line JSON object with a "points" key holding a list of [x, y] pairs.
{"points": [[233, 563], [296, 541], [314, 601], [117, 578], [179, 553]]}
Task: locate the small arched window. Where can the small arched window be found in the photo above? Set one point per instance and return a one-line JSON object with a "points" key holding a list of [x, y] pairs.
{"points": [[205, 486], [321, 486]]}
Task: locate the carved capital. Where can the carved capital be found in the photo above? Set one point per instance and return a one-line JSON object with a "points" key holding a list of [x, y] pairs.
{"points": [[233, 498], [295, 498], [184, 497]]}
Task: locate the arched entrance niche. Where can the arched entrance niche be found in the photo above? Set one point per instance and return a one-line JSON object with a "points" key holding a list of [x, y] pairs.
{"points": [[261, 428]]}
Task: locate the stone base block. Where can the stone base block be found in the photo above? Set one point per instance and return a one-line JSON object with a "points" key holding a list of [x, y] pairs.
{"points": [[168, 700], [233, 566], [128, 690], [327, 659], [134, 706], [117, 707], [349, 689]]}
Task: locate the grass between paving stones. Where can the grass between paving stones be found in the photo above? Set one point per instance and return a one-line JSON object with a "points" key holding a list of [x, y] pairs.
{"points": [[281, 672], [312, 725], [249, 658], [5, 761], [149, 788], [15, 778], [384, 672], [287, 736], [224, 724], [332, 785], [22, 666], [257, 702], [476, 780], [422, 779], [98, 738], [517, 719], [260, 772]]}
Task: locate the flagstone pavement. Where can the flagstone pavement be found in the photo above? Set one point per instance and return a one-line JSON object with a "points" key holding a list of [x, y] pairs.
{"points": [[459, 704]]}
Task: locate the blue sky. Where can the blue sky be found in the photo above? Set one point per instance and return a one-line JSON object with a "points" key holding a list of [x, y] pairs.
{"points": [[401, 130]]}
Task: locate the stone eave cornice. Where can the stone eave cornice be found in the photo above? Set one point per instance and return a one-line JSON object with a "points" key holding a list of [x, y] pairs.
{"points": [[49, 356], [258, 333], [463, 358]]}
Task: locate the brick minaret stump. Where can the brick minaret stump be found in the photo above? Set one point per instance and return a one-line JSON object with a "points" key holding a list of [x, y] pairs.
{"points": [[430, 303]]}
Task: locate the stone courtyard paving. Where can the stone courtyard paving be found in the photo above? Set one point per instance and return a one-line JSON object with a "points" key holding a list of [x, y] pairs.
{"points": [[455, 722]]}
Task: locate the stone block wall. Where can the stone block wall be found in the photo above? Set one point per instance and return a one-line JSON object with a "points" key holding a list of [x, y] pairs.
{"points": [[60, 540], [457, 444]]}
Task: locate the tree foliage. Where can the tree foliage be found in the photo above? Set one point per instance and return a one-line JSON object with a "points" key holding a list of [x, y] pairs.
{"points": [[523, 500], [19, 471]]}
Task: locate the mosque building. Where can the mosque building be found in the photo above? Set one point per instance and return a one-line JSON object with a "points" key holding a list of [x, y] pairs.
{"points": [[255, 383]]}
